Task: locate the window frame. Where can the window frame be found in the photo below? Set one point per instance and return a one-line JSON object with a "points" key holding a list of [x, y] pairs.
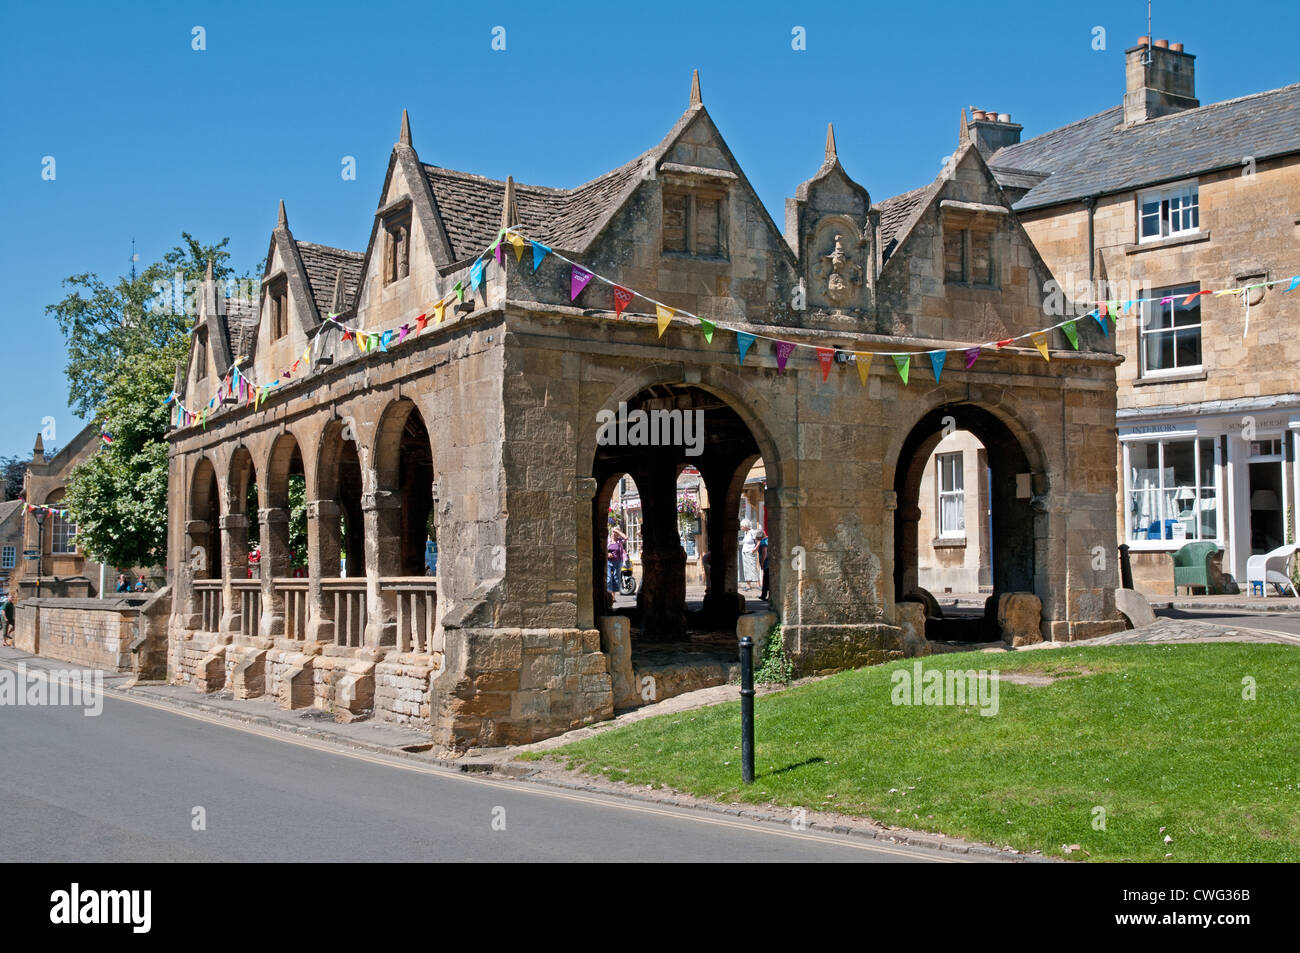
{"points": [[1201, 491], [397, 245], [63, 535], [277, 296], [954, 494], [1175, 293], [8, 557], [986, 281], [1165, 211], [691, 239]]}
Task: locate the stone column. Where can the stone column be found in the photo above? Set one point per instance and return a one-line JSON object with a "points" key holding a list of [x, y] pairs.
{"points": [[890, 507], [584, 495], [274, 563], [197, 537], [662, 598], [234, 553], [722, 603], [323, 544], [382, 513]]}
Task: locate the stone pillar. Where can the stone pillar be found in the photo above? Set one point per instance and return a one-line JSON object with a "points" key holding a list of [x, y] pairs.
{"points": [[197, 537], [382, 513], [234, 553], [584, 495], [323, 544], [887, 546], [908, 521], [274, 564], [662, 598], [722, 603]]}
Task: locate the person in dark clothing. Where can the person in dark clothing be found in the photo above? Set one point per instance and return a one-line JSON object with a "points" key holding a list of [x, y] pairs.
{"points": [[122, 584], [762, 564], [8, 609]]}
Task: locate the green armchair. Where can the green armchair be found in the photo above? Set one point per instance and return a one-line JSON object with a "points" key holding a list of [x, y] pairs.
{"points": [[1192, 566]]}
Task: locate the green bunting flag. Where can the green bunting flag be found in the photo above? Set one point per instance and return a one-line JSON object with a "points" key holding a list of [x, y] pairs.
{"points": [[707, 327], [903, 362], [1071, 333]]}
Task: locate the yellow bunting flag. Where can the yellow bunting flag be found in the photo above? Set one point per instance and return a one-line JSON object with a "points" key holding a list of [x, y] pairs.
{"points": [[306, 355], [517, 243], [665, 316], [1040, 341], [439, 312], [863, 360]]}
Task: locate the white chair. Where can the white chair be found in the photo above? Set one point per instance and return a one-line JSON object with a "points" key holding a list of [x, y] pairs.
{"points": [[1271, 568]]}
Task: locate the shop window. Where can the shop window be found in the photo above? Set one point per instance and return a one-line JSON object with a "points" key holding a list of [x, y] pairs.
{"points": [[1171, 489], [1171, 332]]}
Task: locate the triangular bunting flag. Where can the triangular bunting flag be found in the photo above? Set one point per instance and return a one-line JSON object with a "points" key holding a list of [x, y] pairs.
{"points": [[383, 341], [439, 312], [972, 355], [744, 340], [665, 316], [476, 274], [1295, 283], [783, 349], [373, 343], [539, 252], [903, 362], [707, 327], [825, 357], [496, 246], [577, 281], [1005, 341], [423, 319], [460, 291], [1071, 330], [863, 360], [1193, 295], [622, 298], [518, 244], [1102, 321], [1040, 341], [402, 332], [936, 361]]}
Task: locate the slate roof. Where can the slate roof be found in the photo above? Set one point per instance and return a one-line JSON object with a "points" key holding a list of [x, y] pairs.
{"points": [[1098, 155], [8, 508], [895, 213], [322, 264], [470, 206], [241, 322]]}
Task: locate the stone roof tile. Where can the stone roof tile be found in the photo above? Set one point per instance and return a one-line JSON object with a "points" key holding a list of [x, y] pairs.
{"points": [[322, 264]]}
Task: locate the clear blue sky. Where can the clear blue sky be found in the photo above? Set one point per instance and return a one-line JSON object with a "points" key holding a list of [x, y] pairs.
{"points": [[152, 138]]}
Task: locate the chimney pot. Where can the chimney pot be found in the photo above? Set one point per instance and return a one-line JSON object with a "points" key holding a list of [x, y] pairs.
{"points": [[977, 115], [1176, 47], [1004, 117], [1162, 44], [1144, 41]]}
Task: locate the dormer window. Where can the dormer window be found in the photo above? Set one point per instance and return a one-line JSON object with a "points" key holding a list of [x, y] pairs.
{"points": [[694, 222], [278, 295], [969, 247], [397, 245], [1164, 213]]}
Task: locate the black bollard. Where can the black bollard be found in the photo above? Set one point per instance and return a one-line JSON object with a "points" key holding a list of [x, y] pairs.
{"points": [[747, 710], [1125, 567]]}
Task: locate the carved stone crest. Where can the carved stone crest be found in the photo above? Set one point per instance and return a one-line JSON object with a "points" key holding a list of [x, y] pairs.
{"points": [[841, 274]]}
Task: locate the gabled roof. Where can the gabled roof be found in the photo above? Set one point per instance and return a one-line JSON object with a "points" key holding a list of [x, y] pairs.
{"points": [[895, 214], [470, 206], [1099, 155], [8, 508], [322, 264]]}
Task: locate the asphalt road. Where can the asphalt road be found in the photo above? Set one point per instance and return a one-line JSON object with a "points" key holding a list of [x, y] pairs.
{"points": [[1271, 623], [124, 786]]}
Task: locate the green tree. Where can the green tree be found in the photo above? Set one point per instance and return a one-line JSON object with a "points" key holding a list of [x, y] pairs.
{"points": [[119, 496], [105, 325]]}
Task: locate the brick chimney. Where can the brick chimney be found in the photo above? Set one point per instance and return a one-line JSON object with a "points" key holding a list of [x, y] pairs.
{"points": [[1160, 79], [990, 131]]}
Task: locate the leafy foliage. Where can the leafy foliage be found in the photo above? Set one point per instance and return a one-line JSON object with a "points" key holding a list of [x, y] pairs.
{"points": [[775, 667], [12, 470]]}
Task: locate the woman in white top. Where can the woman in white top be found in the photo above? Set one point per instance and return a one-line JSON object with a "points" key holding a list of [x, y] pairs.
{"points": [[749, 554]]}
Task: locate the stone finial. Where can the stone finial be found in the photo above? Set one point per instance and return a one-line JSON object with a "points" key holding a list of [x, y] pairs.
{"points": [[963, 131], [208, 276], [404, 137], [830, 142], [336, 302], [696, 100], [38, 450], [283, 221], [509, 211]]}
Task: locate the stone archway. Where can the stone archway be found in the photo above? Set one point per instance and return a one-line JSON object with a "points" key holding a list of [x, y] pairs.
{"points": [[1017, 488]]}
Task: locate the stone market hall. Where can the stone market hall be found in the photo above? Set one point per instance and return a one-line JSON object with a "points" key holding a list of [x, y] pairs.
{"points": [[480, 432]]}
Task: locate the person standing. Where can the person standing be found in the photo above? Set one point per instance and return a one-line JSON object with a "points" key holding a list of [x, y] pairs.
{"points": [[615, 552], [749, 554], [8, 610], [763, 551]]}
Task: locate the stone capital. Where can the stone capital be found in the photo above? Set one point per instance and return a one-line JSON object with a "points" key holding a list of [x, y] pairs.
{"points": [[380, 500], [891, 500], [197, 527], [585, 488], [322, 509], [233, 521], [273, 515]]}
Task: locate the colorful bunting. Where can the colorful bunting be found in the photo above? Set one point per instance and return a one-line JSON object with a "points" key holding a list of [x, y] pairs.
{"points": [[972, 355], [1295, 283], [1040, 341], [936, 361], [744, 340], [1071, 330], [622, 298], [665, 317], [1102, 321], [460, 291], [578, 280], [476, 274], [825, 357], [863, 360], [439, 312], [707, 327], [903, 362], [539, 252], [783, 349], [517, 243]]}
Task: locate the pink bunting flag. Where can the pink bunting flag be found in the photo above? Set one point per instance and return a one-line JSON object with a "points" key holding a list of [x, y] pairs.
{"points": [[783, 351], [972, 355], [577, 281]]}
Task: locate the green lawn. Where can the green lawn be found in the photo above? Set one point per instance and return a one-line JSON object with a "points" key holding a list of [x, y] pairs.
{"points": [[1158, 736]]}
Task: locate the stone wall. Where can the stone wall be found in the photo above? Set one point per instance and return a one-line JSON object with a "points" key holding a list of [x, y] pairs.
{"points": [[92, 632]]}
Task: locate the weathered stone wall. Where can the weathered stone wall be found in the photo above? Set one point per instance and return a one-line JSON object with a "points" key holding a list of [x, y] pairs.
{"points": [[88, 632]]}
